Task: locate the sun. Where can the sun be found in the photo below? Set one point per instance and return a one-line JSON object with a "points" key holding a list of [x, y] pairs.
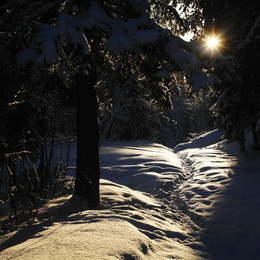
{"points": [[212, 42]]}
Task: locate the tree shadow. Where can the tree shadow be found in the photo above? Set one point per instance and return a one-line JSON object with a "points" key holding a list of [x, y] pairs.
{"points": [[57, 210], [233, 230]]}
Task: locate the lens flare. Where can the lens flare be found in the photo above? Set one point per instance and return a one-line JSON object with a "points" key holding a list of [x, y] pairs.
{"points": [[212, 42]]}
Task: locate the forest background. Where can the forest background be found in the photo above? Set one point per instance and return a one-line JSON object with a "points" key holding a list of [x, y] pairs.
{"points": [[61, 60]]}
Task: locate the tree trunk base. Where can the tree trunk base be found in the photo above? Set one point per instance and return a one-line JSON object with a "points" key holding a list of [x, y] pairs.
{"points": [[88, 173]]}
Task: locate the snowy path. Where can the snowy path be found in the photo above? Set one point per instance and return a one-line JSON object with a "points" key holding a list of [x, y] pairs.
{"points": [[139, 219], [222, 194], [157, 172], [199, 202]]}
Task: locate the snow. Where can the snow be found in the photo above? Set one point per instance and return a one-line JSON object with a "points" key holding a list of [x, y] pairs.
{"points": [[119, 43], [201, 141], [46, 39], [118, 36], [184, 59], [146, 36], [198, 201], [199, 80], [222, 194]]}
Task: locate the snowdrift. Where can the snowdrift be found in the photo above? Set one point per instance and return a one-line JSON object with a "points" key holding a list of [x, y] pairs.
{"points": [[222, 194], [200, 201]]}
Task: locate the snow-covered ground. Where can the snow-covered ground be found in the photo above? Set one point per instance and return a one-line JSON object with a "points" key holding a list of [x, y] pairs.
{"points": [[222, 194], [200, 201]]}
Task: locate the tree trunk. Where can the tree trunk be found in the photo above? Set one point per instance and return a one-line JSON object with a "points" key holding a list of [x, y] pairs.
{"points": [[88, 173]]}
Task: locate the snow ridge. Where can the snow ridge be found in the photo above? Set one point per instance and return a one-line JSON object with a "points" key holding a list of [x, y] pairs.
{"points": [[151, 198]]}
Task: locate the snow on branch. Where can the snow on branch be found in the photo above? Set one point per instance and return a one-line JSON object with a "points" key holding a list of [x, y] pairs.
{"points": [[49, 40], [119, 35]]}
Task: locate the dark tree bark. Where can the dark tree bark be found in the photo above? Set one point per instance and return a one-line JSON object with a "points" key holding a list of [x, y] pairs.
{"points": [[88, 173]]}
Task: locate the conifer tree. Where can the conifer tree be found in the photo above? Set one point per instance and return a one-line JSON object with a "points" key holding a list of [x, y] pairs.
{"points": [[91, 35], [238, 105]]}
